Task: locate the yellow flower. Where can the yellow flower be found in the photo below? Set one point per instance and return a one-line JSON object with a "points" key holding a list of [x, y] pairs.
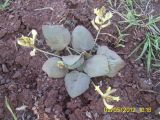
{"points": [[100, 12], [102, 18], [60, 64], [28, 41], [25, 41], [106, 97]]}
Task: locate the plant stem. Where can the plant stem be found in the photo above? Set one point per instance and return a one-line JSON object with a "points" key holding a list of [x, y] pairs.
{"points": [[69, 51], [47, 52], [98, 89], [93, 84], [97, 34], [74, 50]]}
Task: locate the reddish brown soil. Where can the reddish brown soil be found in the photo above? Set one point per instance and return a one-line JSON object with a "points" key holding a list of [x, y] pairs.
{"points": [[24, 83]]}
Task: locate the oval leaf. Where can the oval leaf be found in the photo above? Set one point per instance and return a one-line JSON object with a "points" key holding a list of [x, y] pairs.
{"points": [[96, 66], [115, 62], [52, 69], [57, 36], [82, 39], [76, 83], [73, 61]]}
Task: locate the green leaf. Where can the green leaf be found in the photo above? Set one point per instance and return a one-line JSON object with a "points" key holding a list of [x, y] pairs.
{"points": [[52, 69], [149, 58], [9, 108], [153, 20], [82, 39], [73, 61], [96, 66], [57, 36], [144, 50], [76, 83], [115, 62]]}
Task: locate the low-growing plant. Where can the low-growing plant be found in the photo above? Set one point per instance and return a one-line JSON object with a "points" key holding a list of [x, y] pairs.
{"points": [[129, 3], [102, 20], [138, 18], [151, 24], [151, 48], [121, 38], [130, 17], [81, 63], [4, 5], [141, 19]]}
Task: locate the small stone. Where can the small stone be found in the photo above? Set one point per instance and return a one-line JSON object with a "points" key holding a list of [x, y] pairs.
{"points": [[89, 115], [157, 111], [67, 112], [148, 98], [56, 112], [95, 115], [145, 84], [4, 68], [11, 16], [27, 86], [2, 32], [2, 81], [17, 74], [107, 117], [158, 98], [134, 86], [8, 80], [58, 108], [29, 117], [12, 87], [116, 84], [48, 110], [20, 90]]}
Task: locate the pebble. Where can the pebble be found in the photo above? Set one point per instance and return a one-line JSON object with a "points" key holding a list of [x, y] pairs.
{"points": [[8, 80], [20, 90], [2, 32], [158, 99], [145, 84], [48, 110], [29, 117], [12, 87], [4, 68], [89, 115], [11, 16], [17, 74], [157, 111], [2, 81], [107, 117], [95, 115], [148, 98], [27, 86], [116, 84], [134, 86]]}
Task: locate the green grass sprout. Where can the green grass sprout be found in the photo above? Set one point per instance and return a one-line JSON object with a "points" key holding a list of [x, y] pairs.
{"points": [[150, 49], [9, 108], [4, 5]]}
